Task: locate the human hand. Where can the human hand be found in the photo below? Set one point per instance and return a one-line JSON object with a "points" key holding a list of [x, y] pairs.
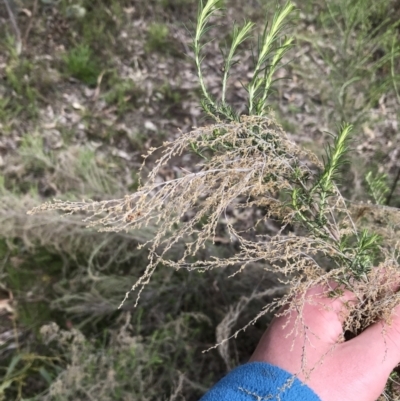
{"points": [[355, 370]]}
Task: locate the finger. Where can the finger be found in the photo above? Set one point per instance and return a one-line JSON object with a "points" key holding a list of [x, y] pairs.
{"points": [[323, 310], [339, 300], [380, 342], [308, 326]]}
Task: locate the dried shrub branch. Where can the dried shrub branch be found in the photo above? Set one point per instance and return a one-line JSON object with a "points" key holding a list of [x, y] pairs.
{"points": [[253, 164]]}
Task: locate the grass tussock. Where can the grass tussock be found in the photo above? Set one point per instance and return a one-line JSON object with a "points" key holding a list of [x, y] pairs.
{"points": [[128, 368]]}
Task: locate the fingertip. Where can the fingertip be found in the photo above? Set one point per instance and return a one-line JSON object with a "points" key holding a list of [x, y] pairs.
{"points": [[382, 339]]}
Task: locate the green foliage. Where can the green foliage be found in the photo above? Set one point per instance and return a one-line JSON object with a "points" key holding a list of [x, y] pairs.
{"points": [[27, 275], [239, 35], [96, 23], [365, 65], [309, 196], [312, 195], [122, 93], [19, 78], [271, 50], [367, 252], [158, 38], [272, 46], [170, 96], [335, 158], [81, 64], [18, 72], [33, 153], [378, 187], [24, 366], [5, 106]]}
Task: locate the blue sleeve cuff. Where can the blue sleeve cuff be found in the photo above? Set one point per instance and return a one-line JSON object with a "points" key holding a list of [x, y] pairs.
{"points": [[256, 381]]}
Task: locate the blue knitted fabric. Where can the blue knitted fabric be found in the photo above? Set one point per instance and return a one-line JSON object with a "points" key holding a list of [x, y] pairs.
{"points": [[259, 381]]}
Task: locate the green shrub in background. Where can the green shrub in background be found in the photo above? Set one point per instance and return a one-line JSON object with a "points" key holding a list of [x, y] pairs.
{"points": [[367, 52], [157, 39], [81, 64]]}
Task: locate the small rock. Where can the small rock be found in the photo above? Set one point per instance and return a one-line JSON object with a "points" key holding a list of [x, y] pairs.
{"points": [[75, 11], [150, 126]]}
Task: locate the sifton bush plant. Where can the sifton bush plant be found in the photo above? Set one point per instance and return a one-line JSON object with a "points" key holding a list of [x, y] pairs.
{"points": [[366, 35], [248, 161]]}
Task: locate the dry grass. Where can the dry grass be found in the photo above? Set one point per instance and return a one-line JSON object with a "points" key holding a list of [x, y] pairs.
{"points": [[247, 164], [129, 368]]}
